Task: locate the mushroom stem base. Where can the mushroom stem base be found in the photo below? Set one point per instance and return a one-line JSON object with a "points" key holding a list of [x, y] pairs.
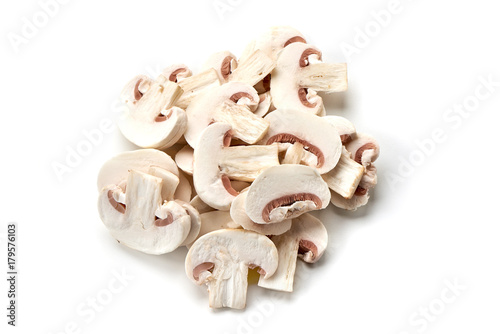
{"points": [[230, 288]]}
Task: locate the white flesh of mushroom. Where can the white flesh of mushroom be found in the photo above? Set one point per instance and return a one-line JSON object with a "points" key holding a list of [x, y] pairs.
{"points": [[196, 84], [345, 177]]}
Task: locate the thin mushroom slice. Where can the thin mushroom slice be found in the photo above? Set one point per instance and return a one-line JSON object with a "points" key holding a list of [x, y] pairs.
{"points": [[184, 159], [285, 192], [195, 219], [307, 239], [299, 74], [360, 198], [239, 215], [140, 221], [215, 164], [316, 135], [365, 150], [221, 259]]}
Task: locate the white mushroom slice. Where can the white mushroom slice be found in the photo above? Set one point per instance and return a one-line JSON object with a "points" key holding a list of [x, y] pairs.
{"points": [[345, 177], [239, 215], [170, 182], [369, 179], [307, 239], [115, 170], [314, 133], [184, 159], [201, 206], [264, 104], [135, 89], [296, 79], [213, 221], [142, 222], [215, 164], [151, 120], [364, 149], [175, 73], [285, 192], [294, 154], [344, 127], [357, 200], [196, 84], [195, 217], [183, 191], [221, 260], [274, 40], [227, 103], [253, 68], [224, 63]]}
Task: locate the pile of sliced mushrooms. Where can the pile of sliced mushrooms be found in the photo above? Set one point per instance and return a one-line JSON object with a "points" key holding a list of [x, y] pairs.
{"points": [[232, 159]]}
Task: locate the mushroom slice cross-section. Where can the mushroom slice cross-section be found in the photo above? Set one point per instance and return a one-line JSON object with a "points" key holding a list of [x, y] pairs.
{"points": [[299, 74], [316, 135], [345, 177], [229, 103], [221, 259], [223, 63], [138, 219], [215, 164], [195, 85], [285, 192], [151, 119], [344, 127], [307, 239]]}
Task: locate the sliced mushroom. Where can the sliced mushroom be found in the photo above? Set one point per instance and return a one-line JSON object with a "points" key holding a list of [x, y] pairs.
{"points": [[344, 127], [364, 149], [264, 106], [194, 85], [345, 177], [195, 217], [224, 63], [357, 200], [213, 221], [183, 191], [299, 74], [229, 104], [201, 206], [316, 135], [253, 68], [307, 239], [176, 73], [184, 159], [138, 219], [215, 164], [151, 120], [115, 170], [221, 259], [239, 215], [285, 192]]}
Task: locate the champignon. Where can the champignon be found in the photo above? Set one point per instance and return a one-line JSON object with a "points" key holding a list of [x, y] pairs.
{"points": [[195, 217], [345, 177], [223, 63], [307, 239], [213, 221], [285, 192], [184, 159], [176, 73], [194, 85], [151, 119], [215, 164], [316, 135], [239, 215], [264, 106], [221, 259], [299, 74], [344, 127], [138, 219], [228, 103]]}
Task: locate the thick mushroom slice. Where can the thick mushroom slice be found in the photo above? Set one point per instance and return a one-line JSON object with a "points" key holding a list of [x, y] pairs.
{"points": [[197, 84], [344, 127], [151, 120], [239, 215], [229, 103], [138, 219], [221, 259], [299, 74], [345, 177], [307, 239], [285, 192], [215, 164], [316, 135]]}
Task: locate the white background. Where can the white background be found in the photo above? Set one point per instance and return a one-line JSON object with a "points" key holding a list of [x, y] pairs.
{"points": [[432, 219]]}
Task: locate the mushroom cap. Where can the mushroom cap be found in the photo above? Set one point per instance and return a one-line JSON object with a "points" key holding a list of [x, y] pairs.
{"points": [[115, 170], [311, 235], [142, 222], [364, 149], [285, 192], [286, 91], [239, 215], [200, 111], [229, 245], [223, 62], [316, 134], [344, 127]]}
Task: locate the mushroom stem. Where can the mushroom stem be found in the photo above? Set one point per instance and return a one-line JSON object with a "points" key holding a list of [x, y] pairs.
{"points": [[294, 154], [324, 77], [245, 163], [196, 83], [157, 99], [288, 249], [345, 177], [170, 182], [253, 69], [245, 124], [230, 289]]}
